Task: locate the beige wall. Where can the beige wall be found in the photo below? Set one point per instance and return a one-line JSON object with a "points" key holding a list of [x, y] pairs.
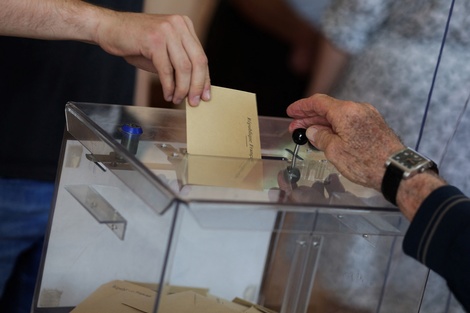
{"points": [[200, 12]]}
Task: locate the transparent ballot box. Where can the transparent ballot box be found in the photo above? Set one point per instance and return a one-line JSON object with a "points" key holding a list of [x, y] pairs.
{"points": [[138, 225]]}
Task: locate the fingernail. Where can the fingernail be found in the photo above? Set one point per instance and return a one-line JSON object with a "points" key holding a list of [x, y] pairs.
{"points": [[310, 133], [169, 98], [195, 100], [206, 95]]}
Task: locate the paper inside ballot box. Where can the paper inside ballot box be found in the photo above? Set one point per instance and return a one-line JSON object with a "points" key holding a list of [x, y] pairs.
{"points": [[110, 297], [126, 297], [224, 172], [226, 126]]}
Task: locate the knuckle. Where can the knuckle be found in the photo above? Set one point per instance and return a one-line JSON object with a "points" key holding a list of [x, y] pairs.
{"points": [[177, 20], [201, 61], [165, 71], [166, 27], [156, 38], [185, 66]]}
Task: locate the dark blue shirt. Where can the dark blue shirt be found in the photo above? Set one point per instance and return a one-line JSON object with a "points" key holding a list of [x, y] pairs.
{"points": [[37, 79], [439, 237]]}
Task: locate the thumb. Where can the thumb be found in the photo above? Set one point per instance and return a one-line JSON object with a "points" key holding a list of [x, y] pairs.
{"points": [[319, 136]]}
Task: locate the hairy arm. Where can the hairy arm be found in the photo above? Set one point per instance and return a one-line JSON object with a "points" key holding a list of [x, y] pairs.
{"points": [[412, 192], [163, 44], [49, 19]]}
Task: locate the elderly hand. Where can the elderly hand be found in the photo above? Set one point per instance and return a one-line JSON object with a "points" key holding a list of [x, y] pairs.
{"points": [[164, 44], [354, 136]]}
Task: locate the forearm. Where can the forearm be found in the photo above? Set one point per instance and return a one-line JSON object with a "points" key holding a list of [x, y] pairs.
{"points": [[412, 192], [50, 19]]}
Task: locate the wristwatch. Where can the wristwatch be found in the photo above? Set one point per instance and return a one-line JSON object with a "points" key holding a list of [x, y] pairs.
{"points": [[403, 165]]}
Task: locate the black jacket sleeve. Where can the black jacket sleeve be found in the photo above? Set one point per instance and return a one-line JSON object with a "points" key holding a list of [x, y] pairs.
{"points": [[439, 237]]}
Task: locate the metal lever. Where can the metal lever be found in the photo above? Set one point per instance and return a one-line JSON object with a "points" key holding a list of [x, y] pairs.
{"points": [[300, 138]]}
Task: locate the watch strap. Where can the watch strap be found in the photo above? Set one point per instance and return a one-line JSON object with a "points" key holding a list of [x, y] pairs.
{"points": [[390, 183]]}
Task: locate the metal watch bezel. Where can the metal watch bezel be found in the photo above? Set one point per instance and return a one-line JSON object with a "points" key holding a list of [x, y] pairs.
{"points": [[425, 164]]}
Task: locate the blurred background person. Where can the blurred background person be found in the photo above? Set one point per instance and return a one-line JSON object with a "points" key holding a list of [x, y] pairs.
{"points": [[266, 47], [386, 52]]}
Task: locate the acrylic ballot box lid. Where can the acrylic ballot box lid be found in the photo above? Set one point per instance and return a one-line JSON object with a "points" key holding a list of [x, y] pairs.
{"points": [[161, 152], [131, 205]]}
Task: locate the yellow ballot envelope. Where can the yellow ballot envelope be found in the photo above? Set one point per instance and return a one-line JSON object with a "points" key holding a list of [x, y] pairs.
{"points": [[225, 126], [223, 141], [121, 296]]}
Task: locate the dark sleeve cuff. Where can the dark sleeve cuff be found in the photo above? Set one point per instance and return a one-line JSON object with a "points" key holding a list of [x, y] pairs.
{"points": [[439, 237], [437, 223]]}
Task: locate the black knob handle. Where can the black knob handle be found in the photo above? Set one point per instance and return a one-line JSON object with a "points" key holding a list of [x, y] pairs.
{"points": [[299, 136]]}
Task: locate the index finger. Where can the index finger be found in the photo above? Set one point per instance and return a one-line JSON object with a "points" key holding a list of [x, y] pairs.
{"points": [[307, 122], [311, 111], [316, 105], [200, 79]]}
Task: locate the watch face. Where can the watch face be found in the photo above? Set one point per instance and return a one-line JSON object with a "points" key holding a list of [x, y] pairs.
{"points": [[409, 159]]}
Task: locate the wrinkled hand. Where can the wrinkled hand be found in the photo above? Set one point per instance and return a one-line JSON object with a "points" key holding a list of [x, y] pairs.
{"points": [[354, 136], [163, 44]]}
